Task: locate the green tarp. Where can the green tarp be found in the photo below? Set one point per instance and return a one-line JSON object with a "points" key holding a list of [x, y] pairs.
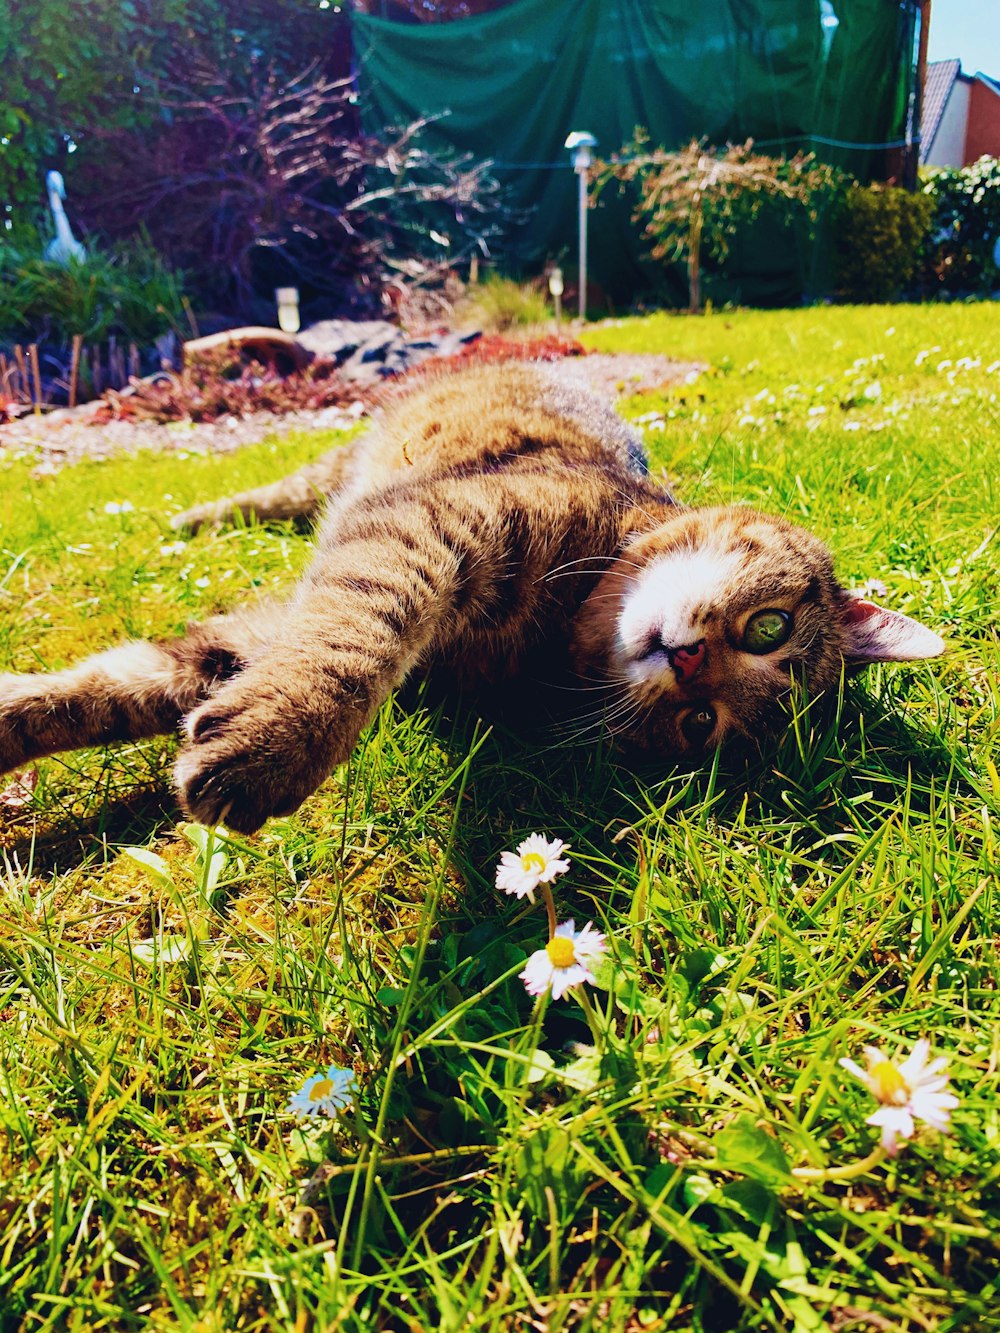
{"points": [[825, 75]]}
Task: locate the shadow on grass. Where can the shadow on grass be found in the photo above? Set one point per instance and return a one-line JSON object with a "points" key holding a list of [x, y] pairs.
{"points": [[82, 811], [844, 763], [811, 778]]}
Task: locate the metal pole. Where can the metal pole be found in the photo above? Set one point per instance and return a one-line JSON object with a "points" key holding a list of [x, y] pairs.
{"points": [[912, 164], [579, 143], [582, 173]]}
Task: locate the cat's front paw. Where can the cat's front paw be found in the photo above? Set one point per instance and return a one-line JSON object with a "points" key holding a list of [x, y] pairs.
{"points": [[249, 756]]}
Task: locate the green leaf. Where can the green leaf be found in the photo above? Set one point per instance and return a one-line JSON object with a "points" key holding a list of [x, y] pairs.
{"points": [[703, 965], [154, 865], [698, 1189], [545, 1159], [583, 1073], [540, 1067], [163, 950], [749, 1150]]}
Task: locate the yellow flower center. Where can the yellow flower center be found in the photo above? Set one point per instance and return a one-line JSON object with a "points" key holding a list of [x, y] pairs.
{"points": [[532, 863], [321, 1089], [561, 951], [889, 1082]]}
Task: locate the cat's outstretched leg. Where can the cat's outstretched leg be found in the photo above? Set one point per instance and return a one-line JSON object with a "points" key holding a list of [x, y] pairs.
{"points": [[268, 737], [299, 495], [138, 689], [380, 594]]}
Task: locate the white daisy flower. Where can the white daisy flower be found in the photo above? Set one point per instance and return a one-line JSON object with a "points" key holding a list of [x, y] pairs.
{"points": [[565, 961], [535, 862], [916, 1089], [324, 1094], [119, 507]]}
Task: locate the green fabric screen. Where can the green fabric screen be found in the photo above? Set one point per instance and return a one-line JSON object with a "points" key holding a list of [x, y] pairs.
{"points": [[825, 75]]}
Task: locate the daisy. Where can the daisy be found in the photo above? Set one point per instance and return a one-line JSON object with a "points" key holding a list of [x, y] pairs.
{"points": [[565, 961], [324, 1094], [916, 1089], [535, 862], [119, 507]]}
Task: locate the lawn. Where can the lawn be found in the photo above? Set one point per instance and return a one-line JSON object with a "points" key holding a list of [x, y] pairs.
{"points": [[684, 1153]]}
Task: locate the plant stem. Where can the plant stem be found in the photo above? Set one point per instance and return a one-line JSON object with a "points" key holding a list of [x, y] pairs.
{"points": [[849, 1172], [550, 907]]}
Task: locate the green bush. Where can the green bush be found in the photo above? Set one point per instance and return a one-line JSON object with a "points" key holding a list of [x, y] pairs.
{"points": [[966, 226], [499, 304], [127, 292], [881, 232]]}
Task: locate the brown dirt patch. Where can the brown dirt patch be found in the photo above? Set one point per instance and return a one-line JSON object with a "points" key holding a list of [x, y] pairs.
{"points": [[66, 436]]}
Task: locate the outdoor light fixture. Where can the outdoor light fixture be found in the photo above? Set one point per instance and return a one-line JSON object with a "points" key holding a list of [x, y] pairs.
{"points": [[288, 308], [579, 143], [556, 291]]}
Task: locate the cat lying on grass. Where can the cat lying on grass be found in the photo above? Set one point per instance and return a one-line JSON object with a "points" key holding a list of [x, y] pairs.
{"points": [[499, 525]]}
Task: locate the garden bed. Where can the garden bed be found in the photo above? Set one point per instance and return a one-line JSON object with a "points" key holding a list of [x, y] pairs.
{"points": [[115, 424]]}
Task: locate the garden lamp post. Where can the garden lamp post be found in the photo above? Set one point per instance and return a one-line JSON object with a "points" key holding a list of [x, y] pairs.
{"points": [[579, 143], [287, 300], [556, 292]]}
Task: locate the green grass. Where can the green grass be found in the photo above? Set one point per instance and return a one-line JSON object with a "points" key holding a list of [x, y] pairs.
{"points": [[157, 1016]]}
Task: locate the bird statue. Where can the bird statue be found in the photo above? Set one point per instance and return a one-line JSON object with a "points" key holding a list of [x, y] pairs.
{"points": [[64, 246]]}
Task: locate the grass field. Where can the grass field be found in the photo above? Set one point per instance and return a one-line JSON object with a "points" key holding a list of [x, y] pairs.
{"points": [[688, 1154]]}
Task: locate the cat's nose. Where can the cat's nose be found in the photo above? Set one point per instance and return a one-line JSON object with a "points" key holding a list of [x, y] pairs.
{"points": [[687, 661]]}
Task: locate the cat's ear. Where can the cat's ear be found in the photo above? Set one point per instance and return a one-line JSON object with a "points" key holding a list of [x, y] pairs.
{"points": [[874, 634]]}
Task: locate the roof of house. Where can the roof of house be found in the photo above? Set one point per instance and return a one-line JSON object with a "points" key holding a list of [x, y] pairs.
{"points": [[938, 83]]}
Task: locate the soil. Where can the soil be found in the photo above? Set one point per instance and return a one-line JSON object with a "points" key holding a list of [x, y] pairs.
{"points": [[66, 436]]}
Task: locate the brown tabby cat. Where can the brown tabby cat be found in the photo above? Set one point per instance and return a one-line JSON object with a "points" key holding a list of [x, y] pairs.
{"points": [[496, 524]]}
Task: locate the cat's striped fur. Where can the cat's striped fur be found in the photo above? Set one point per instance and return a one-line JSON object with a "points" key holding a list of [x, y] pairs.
{"points": [[494, 523]]}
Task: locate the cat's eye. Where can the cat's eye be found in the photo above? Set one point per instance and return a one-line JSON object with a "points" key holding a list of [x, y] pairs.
{"points": [[698, 724], [767, 630]]}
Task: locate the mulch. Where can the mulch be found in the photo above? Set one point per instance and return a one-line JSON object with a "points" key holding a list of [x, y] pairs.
{"points": [[66, 436]]}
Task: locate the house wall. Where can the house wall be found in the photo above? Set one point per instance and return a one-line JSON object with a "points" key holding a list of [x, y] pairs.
{"points": [[948, 148], [983, 133]]}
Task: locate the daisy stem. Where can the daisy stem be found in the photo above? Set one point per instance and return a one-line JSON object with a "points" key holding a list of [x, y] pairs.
{"points": [[550, 908], [850, 1172], [534, 1035]]}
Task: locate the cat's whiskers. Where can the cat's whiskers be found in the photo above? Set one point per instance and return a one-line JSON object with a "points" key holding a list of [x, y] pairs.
{"points": [[619, 696], [601, 720], [628, 722], [585, 689], [568, 564], [654, 520], [565, 571], [591, 732]]}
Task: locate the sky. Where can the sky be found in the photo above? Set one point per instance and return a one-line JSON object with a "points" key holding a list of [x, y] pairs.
{"points": [[969, 29]]}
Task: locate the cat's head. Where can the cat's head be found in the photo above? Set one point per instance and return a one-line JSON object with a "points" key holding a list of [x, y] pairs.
{"points": [[701, 624]]}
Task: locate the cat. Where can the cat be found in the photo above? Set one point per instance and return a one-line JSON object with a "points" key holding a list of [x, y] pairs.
{"points": [[498, 525]]}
